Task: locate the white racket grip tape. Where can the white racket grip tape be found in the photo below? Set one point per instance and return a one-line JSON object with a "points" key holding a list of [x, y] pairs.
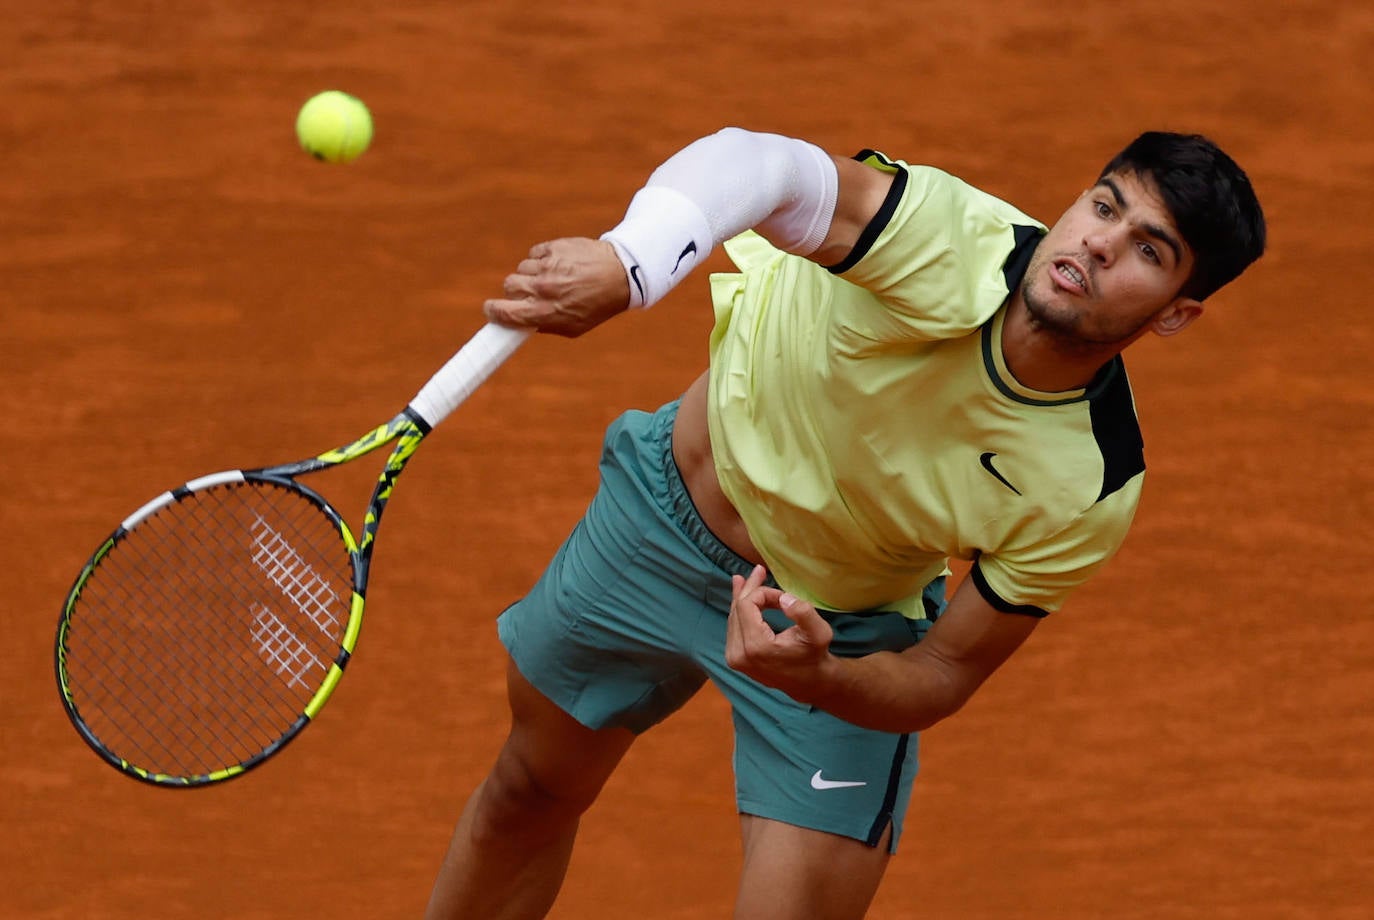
{"points": [[467, 370]]}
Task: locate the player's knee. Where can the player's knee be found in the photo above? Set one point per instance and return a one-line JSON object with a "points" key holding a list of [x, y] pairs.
{"points": [[513, 799]]}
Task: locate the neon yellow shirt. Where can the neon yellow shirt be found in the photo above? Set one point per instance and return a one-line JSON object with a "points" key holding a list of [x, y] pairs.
{"points": [[867, 430]]}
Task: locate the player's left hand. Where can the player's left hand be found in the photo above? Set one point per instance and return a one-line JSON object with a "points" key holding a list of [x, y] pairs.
{"points": [[565, 287], [796, 660]]}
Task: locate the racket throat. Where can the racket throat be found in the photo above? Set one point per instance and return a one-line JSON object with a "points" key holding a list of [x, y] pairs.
{"points": [[408, 430]]}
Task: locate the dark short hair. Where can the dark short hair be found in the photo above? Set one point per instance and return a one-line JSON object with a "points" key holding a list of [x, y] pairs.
{"points": [[1211, 201]]}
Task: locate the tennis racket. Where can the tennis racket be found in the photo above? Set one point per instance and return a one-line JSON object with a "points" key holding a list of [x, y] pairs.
{"points": [[210, 628]]}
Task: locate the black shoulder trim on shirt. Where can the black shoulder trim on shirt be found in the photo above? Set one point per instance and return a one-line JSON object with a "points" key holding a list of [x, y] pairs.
{"points": [[1018, 260], [981, 583], [878, 159], [1117, 430], [875, 226]]}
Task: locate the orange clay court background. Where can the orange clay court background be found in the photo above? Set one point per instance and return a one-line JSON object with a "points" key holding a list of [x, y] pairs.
{"points": [[185, 291]]}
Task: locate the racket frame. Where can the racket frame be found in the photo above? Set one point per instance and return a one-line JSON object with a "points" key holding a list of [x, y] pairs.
{"points": [[407, 429], [449, 387]]}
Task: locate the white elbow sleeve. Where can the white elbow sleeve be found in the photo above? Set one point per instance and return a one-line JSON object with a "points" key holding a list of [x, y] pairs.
{"points": [[714, 188]]}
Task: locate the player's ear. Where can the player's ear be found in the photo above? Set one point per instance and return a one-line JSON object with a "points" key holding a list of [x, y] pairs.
{"points": [[1176, 317]]}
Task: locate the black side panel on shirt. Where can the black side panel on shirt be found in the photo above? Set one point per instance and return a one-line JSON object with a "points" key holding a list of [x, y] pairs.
{"points": [[1018, 260], [1117, 431]]}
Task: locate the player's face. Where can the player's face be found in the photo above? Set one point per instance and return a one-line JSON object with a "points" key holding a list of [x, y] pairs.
{"points": [[1112, 267]]}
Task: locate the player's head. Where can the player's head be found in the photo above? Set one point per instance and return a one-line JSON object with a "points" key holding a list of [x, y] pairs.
{"points": [[1210, 198]]}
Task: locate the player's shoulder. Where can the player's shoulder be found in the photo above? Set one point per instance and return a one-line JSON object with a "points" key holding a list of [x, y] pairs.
{"points": [[933, 189]]}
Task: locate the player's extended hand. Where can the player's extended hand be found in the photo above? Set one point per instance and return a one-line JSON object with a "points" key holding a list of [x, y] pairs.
{"points": [[794, 660], [565, 287]]}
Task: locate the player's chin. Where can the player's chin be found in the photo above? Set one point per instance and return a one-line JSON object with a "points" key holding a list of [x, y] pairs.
{"points": [[1051, 311]]}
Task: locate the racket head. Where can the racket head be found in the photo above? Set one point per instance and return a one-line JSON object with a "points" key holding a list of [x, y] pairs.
{"points": [[209, 629]]}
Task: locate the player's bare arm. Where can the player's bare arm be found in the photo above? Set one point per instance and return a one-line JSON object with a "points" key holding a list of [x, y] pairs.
{"points": [[862, 190], [900, 692]]}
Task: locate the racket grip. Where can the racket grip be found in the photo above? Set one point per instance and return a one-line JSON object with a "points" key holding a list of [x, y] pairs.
{"points": [[467, 370]]}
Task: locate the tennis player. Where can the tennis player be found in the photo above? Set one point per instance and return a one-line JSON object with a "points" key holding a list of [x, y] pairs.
{"points": [[904, 370]]}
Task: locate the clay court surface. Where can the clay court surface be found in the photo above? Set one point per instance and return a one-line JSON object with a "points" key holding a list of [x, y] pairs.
{"points": [[186, 291]]}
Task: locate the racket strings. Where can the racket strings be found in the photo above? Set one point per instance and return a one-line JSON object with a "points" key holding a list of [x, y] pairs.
{"points": [[200, 637], [198, 677], [141, 699], [140, 705], [169, 593], [214, 674]]}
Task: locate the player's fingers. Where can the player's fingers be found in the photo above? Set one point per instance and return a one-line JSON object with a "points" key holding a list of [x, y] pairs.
{"points": [[757, 576], [518, 285], [745, 620], [742, 587], [736, 646], [811, 624], [736, 587], [513, 312], [742, 609], [763, 597], [751, 597]]}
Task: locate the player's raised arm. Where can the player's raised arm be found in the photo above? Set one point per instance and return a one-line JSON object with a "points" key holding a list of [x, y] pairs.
{"points": [[797, 196]]}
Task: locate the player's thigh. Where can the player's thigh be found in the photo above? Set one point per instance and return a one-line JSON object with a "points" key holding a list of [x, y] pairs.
{"points": [[805, 767], [794, 873], [549, 755]]}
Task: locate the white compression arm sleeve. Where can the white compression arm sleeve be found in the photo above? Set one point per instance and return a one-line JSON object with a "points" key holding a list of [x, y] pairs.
{"points": [[714, 188]]}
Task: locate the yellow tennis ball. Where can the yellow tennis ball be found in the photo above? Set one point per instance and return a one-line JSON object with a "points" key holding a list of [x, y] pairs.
{"points": [[334, 126]]}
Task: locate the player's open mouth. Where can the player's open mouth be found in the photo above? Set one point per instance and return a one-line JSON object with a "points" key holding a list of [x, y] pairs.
{"points": [[1070, 277]]}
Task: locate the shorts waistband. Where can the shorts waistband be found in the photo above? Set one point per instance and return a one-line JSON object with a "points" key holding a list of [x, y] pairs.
{"points": [[684, 511]]}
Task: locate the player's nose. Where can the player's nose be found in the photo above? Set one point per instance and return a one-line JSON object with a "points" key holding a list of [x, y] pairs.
{"points": [[1101, 246]]}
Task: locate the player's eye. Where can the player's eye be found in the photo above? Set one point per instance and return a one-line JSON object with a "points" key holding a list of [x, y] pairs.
{"points": [[1149, 252], [1103, 209]]}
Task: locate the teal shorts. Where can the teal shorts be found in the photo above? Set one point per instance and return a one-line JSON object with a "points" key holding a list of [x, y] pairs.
{"points": [[628, 622]]}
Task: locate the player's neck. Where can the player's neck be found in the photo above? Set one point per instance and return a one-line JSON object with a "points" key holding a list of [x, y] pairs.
{"points": [[1045, 359]]}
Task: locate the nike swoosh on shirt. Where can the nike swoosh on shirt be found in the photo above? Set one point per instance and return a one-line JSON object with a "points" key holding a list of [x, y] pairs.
{"points": [[986, 460], [818, 783]]}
